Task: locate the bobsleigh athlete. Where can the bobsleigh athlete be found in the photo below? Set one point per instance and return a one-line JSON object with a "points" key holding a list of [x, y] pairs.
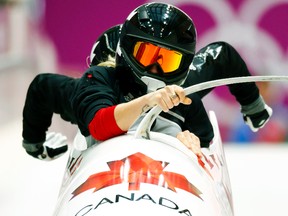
{"points": [[156, 47], [49, 93]]}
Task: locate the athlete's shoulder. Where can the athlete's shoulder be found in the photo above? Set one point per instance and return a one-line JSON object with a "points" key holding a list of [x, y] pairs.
{"points": [[100, 71]]}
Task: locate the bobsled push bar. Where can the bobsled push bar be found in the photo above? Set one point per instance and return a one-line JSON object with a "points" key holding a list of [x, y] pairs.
{"points": [[143, 131]]}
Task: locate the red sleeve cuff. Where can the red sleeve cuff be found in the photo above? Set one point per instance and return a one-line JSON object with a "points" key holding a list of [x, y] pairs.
{"points": [[103, 126]]}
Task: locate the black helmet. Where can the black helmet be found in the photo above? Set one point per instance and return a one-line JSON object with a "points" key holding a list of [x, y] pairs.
{"points": [[105, 45], [157, 35]]}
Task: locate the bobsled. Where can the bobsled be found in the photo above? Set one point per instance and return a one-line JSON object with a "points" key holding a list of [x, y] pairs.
{"points": [[132, 174], [144, 172]]}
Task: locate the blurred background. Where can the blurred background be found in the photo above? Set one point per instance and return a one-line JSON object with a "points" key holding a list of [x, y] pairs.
{"points": [[56, 36]]}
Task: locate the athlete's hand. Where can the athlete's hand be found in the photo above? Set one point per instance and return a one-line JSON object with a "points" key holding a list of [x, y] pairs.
{"points": [[191, 141], [168, 97], [54, 146]]}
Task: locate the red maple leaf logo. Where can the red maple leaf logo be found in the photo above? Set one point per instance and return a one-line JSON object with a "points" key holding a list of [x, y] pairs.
{"points": [[136, 169]]}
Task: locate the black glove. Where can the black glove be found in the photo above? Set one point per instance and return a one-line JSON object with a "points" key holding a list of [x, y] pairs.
{"points": [[54, 146]]}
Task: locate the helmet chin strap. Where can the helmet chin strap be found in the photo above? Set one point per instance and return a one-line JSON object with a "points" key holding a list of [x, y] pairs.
{"points": [[152, 83]]}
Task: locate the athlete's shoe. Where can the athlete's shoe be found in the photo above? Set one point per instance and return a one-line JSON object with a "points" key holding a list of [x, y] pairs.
{"points": [[258, 120]]}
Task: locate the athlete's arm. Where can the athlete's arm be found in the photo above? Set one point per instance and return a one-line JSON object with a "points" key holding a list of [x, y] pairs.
{"points": [[121, 117]]}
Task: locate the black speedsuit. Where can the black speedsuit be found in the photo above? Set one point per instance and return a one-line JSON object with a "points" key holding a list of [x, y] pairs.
{"points": [[78, 99]]}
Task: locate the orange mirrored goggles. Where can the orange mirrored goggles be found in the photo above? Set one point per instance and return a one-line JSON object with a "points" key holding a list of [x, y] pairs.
{"points": [[147, 54]]}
